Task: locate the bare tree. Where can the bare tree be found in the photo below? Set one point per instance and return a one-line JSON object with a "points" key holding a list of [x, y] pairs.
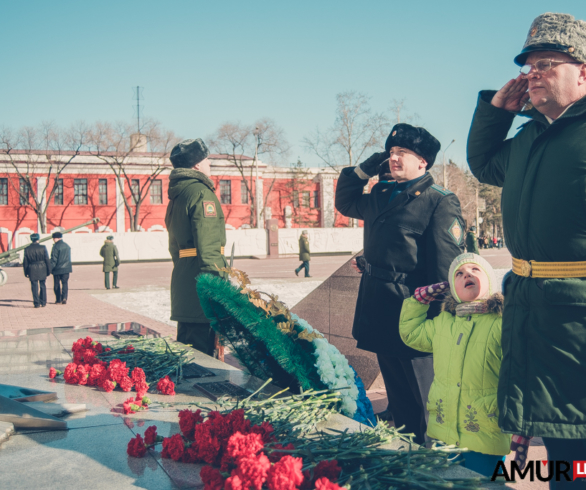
{"points": [[356, 132], [239, 142], [38, 156], [297, 194], [119, 144], [399, 109]]}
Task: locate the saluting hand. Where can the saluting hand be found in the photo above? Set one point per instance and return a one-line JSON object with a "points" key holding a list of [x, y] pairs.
{"points": [[372, 164], [513, 96]]}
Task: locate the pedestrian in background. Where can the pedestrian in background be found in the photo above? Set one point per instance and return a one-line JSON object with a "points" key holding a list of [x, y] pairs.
{"points": [[304, 254], [37, 267], [472, 241], [111, 262], [60, 267]]}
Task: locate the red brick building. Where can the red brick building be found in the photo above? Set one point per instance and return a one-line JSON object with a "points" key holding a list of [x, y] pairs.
{"points": [[87, 187]]}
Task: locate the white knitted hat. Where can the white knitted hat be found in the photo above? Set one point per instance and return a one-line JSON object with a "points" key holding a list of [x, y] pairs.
{"points": [[469, 258]]}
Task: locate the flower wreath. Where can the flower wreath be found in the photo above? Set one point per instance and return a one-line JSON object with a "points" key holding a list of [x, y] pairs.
{"points": [[271, 342]]}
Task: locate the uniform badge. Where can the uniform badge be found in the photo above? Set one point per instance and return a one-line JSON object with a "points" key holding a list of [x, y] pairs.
{"points": [[456, 231], [209, 209], [394, 133]]}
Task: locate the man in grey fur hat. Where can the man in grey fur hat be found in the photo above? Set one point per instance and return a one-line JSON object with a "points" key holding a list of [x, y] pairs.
{"points": [[541, 391], [197, 236]]}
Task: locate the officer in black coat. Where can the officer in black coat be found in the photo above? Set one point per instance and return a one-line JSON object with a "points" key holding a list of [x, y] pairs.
{"points": [[37, 267], [413, 229], [60, 267]]}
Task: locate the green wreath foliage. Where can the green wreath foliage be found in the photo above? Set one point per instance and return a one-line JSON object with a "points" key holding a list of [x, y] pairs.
{"points": [[256, 341]]}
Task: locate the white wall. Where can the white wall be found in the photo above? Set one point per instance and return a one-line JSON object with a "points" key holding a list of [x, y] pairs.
{"points": [[85, 247]]}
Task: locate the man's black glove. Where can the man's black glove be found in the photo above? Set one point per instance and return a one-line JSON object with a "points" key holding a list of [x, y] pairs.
{"points": [[371, 166]]}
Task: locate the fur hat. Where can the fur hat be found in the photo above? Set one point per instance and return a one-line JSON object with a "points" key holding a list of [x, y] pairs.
{"points": [[109, 237], [35, 237], [189, 153], [470, 258], [57, 234], [415, 139], [555, 32]]}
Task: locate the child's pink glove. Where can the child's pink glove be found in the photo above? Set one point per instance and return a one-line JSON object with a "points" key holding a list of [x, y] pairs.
{"points": [[520, 445], [427, 294]]}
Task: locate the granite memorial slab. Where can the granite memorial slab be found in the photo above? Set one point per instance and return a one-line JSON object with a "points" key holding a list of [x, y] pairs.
{"points": [[330, 308]]}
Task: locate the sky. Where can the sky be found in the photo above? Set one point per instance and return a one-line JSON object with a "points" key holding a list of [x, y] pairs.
{"points": [[202, 64]]}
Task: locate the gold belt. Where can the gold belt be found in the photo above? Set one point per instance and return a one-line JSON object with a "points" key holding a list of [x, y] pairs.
{"points": [[549, 270], [192, 252]]}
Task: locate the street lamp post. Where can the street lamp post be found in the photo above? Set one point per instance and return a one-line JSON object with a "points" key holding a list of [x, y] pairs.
{"points": [[257, 199], [444, 164]]}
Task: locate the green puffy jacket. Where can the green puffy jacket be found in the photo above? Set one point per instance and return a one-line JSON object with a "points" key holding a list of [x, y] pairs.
{"points": [[304, 248], [195, 220], [467, 358], [542, 170], [111, 257]]}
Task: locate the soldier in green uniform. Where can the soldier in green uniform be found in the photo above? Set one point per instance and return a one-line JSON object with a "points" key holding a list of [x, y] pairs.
{"points": [[111, 262], [472, 241], [541, 388], [304, 254], [197, 236]]}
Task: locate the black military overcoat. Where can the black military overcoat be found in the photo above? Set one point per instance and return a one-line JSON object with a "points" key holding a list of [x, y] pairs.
{"points": [[408, 242], [36, 263]]}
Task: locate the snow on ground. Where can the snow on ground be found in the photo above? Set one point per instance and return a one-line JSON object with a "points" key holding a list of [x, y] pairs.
{"points": [[155, 302]]}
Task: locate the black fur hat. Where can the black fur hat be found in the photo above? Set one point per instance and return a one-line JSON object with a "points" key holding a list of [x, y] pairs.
{"points": [[189, 153], [415, 139]]}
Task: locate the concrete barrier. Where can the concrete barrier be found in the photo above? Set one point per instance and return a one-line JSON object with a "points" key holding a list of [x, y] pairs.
{"points": [[85, 247]]}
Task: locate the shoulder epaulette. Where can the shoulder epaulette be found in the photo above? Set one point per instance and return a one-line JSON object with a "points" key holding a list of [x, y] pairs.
{"points": [[441, 190]]}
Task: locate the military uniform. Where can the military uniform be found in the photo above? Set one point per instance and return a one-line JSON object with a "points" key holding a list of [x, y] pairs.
{"points": [[412, 232], [109, 252], [197, 236], [541, 391], [472, 243]]}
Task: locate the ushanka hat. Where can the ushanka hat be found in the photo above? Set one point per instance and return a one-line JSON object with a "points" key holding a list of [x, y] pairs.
{"points": [[189, 153], [419, 140], [57, 234], [555, 32], [35, 237], [469, 258]]}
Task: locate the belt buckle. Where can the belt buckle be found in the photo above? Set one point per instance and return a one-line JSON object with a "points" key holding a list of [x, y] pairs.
{"points": [[526, 268]]}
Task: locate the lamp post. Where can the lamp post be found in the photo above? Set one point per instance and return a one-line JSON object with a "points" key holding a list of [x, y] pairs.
{"points": [[257, 199], [444, 164]]}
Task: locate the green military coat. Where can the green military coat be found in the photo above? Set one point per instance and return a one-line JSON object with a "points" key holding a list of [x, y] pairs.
{"points": [[111, 257], [195, 221], [542, 170], [472, 243], [304, 254]]}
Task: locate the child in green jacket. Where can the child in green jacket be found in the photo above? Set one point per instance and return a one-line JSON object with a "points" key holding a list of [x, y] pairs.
{"points": [[465, 339]]}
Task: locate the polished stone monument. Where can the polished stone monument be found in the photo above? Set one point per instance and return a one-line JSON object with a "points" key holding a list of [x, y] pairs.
{"points": [[330, 309]]}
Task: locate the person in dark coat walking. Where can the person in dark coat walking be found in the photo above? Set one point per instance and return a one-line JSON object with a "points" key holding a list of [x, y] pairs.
{"points": [[197, 237], [37, 266], [304, 253], [472, 241], [60, 267], [109, 252], [413, 230], [541, 390]]}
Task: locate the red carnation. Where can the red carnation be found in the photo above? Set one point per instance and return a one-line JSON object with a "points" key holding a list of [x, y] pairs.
{"points": [[265, 430], [70, 374], [138, 375], [166, 386], [173, 447], [130, 406], [99, 348], [125, 383], [286, 474], [141, 388], [136, 447], [324, 484], [95, 375], [234, 483], [328, 469], [107, 349], [82, 374], [240, 446], [54, 372], [187, 422], [108, 385], [150, 435], [252, 471], [212, 478]]}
